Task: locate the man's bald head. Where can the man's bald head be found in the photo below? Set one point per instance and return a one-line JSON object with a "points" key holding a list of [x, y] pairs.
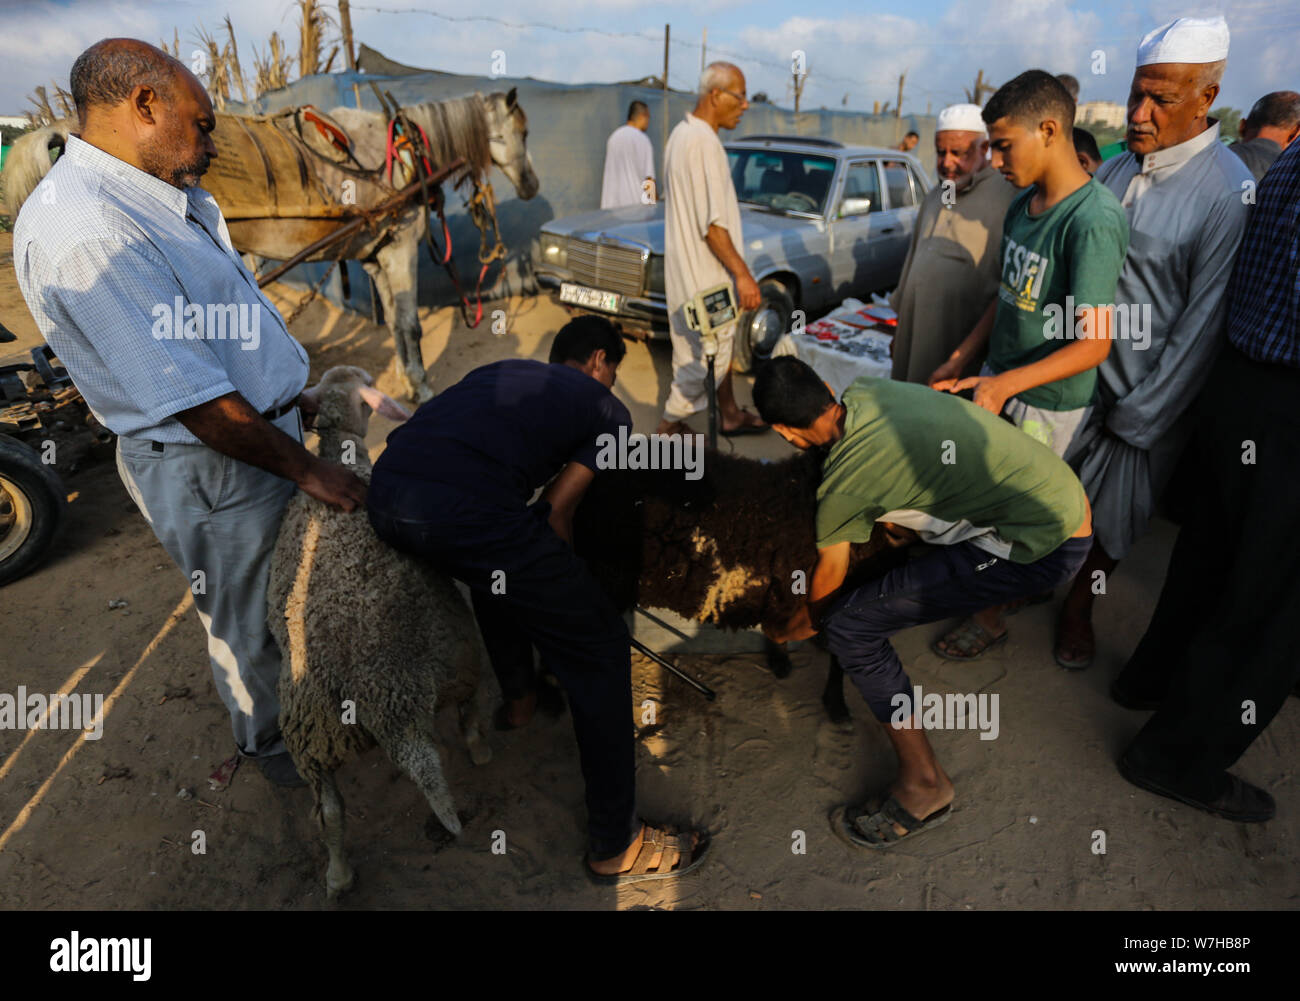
{"points": [[106, 73], [142, 106], [1274, 116]]}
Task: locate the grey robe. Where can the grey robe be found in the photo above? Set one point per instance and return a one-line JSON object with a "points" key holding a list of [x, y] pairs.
{"points": [[1186, 218], [950, 275]]}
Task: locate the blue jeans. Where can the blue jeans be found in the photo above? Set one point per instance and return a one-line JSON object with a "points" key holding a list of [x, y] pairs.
{"points": [[948, 581]]}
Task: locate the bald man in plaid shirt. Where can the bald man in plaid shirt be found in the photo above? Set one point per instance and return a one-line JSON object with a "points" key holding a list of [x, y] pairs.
{"points": [[125, 264]]}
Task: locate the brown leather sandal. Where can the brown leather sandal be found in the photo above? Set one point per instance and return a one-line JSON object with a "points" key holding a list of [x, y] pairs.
{"points": [[663, 855]]}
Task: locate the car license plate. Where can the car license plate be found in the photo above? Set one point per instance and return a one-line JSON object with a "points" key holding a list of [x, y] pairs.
{"points": [[590, 298]]}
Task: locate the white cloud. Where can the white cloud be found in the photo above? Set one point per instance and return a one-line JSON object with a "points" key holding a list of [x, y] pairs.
{"points": [[861, 54]]}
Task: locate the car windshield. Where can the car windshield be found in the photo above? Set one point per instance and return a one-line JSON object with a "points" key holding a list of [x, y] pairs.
{"points": [[781, 180]]}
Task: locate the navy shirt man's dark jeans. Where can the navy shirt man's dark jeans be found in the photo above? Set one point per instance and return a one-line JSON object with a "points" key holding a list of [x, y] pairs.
{"points": [[453, 486]]}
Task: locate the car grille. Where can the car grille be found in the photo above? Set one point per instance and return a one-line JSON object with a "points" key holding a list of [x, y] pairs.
{"points": [[612, 269]]}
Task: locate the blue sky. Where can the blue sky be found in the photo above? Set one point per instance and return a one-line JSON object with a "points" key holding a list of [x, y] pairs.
{"points": [[854, 51]]}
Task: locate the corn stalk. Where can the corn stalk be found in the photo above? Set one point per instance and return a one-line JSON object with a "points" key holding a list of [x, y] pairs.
{"points": [[271, 69], [44, 114], [313, 20], [232, 50], [218, 81]]}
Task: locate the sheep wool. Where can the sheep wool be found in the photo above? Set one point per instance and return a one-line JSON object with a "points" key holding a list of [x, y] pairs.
{"points": [[734, 548], [372, 640]]}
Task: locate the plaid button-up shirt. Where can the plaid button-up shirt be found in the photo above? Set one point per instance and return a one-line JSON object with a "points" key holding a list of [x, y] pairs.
{"points": [[1264, 293], [135, 285]]}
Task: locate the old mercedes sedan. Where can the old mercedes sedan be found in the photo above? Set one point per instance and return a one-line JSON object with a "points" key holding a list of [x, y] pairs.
{"points": [[822, 221]]}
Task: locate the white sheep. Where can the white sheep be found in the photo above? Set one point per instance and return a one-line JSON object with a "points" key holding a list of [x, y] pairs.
{"points": [[371, 638]]}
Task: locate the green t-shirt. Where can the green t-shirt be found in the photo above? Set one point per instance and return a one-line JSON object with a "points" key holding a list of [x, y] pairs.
{"points": [[1076, 248], [947, 469]]}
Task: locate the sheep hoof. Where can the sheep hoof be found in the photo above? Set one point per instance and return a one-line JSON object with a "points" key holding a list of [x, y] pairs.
{"points": [[337, 883], [438, 834]]}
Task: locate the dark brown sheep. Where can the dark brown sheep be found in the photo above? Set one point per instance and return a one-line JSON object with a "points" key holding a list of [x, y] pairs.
{"points": [[724, 549]]}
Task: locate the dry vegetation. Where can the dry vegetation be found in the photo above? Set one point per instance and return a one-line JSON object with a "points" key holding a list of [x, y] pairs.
{"points": [[222, 73]]}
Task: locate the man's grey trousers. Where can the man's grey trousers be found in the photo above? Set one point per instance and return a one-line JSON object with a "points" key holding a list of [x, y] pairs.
{"points": [[218, 519]]}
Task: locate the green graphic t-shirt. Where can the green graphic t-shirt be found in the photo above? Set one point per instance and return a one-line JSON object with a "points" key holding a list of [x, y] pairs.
{"points": [[1075, 249], [947, 469]]}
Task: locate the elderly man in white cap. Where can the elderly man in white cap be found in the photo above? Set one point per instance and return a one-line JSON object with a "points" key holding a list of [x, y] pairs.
{"points": [[1182, 190], [951, 272]]}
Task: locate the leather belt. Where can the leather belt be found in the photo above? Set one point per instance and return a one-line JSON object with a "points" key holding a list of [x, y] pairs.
{"points": [[275, 413]]}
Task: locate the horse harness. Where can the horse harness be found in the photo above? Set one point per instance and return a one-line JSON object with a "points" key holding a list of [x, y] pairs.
{"points": [[408, 143], [279, 141]]}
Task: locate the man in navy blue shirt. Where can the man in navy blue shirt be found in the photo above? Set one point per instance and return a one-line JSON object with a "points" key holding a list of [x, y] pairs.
{"points": [[1219, 657], [454, 486]]}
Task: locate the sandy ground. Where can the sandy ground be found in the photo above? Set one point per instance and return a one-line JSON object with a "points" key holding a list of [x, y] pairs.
{"points": [[99, 824]]}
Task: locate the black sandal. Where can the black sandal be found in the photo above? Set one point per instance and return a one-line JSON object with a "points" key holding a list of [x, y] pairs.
{"points": [[876, 830]]}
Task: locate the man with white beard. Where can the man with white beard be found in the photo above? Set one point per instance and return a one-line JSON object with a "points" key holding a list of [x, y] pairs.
{"points": [[951, 272]]}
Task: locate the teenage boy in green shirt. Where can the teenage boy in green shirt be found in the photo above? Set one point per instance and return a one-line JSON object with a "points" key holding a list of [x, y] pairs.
{"points": [[1005, 517], [1063, 246]]}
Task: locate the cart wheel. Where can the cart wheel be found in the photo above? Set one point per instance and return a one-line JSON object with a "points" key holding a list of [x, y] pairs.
{"points": [[32, 503]]}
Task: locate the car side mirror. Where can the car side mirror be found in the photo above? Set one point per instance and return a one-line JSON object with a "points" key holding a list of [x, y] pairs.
{"points": [[855, 206]]}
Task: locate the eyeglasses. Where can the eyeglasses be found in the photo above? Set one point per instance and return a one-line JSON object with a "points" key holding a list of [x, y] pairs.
{"points": [[738, 97]]}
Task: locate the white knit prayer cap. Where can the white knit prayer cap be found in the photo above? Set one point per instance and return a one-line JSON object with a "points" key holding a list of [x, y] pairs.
{"points": [[1186, 40], [961, 118]]}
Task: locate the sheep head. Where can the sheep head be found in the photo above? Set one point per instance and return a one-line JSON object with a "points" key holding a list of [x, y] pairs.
{"points": [[345, 397]]}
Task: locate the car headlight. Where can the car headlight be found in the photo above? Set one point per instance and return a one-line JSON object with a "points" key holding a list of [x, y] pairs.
{"points": [[554, 250], [655, 274]]}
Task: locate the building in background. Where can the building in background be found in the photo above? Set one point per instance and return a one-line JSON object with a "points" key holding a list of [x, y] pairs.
{"points": [[1106, 113]]}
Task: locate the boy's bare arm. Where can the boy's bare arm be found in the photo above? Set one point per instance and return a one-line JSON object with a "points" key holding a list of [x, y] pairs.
{"points": [[992, 392]]}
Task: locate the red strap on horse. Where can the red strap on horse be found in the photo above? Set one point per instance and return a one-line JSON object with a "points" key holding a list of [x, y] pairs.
{"points": [[336, 136], [478, 299], [394, 144], [396, 141]]}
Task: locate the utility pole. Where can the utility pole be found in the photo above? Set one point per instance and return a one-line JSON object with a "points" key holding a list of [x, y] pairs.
{"points": [[345, 26], [798, 87], [981, 88], [704, 45], [663, 166], [898, 108]]}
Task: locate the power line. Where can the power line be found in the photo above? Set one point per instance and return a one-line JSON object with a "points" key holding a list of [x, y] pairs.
{"points": [[655, 37]]}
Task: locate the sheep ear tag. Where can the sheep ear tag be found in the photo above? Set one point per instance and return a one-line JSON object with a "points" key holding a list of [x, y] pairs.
{"points": [[382, 403]]}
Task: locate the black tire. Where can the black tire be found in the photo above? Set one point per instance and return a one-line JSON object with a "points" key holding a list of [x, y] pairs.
{"points": [[32, 505], [758, 330]]}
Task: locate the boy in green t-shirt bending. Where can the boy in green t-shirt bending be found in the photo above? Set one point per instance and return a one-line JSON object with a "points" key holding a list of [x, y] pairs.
{"points": [[1006, 518], [1063, 245]]}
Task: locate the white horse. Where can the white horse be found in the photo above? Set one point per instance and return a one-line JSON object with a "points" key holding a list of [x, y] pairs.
{"points": [[283, 187]]}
